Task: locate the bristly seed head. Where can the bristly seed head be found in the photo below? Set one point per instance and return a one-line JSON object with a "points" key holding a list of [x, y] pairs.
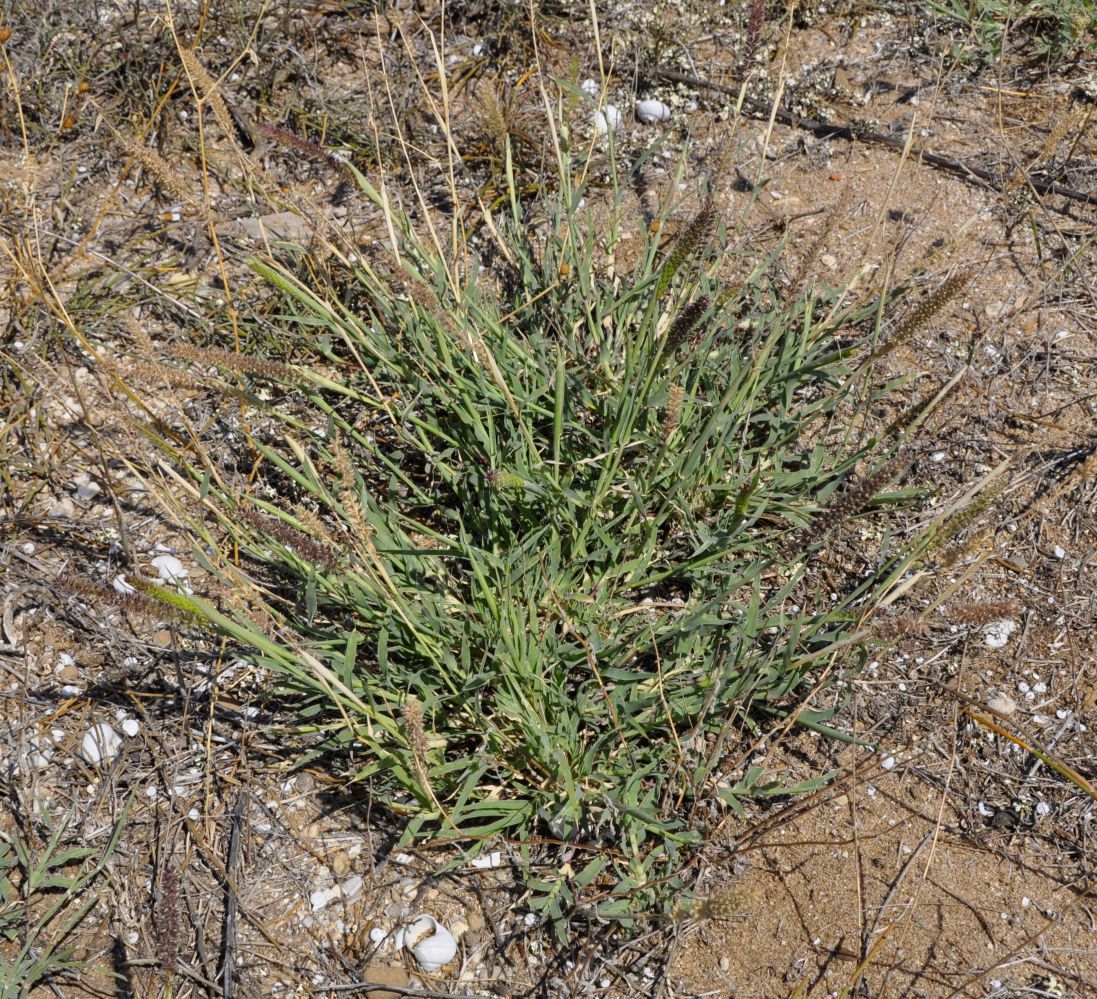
{"points": [[974, 615], [289, 537], [923, 312], [683, 325], [854, 497], [502, 480], [273, 370], [904, 626], [412, 711], [694, 238], [672, 412], [166, 920]]}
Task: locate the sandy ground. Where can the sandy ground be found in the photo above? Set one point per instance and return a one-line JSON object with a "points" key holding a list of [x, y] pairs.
{"points": [[956, 862]]}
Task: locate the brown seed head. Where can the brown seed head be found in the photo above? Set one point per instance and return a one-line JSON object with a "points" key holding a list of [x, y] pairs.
{"points": [[975, 615]]}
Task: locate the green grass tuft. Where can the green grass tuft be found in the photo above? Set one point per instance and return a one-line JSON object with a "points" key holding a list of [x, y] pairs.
{"points": [[548, 610]]}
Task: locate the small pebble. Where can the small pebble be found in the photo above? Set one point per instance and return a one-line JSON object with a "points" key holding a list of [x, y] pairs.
{"points": [[64, 507], [352, 887], [131, 726], [87, 491], [340, 863]]}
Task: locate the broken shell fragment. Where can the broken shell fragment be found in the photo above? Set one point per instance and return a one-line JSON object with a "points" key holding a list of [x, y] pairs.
{"points": [[431, 944]]}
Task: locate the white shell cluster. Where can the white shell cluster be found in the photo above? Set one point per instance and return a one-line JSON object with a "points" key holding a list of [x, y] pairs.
{"points": [[347, 892], [609, 118], [430, 943], [652, 112]]}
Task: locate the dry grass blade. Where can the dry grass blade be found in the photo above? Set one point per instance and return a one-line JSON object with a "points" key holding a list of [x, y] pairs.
{"points": [[1061, 768]]}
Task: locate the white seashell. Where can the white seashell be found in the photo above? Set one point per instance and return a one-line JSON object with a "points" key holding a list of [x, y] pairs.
{"points": [[100, 744], [322, 897], [431, 944], [170, 569], [131, 726], [607, 119], [589, 87], [487, 861], [123, 585], [352, 887], [41, 752], [652, 112], [996, 634]]}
